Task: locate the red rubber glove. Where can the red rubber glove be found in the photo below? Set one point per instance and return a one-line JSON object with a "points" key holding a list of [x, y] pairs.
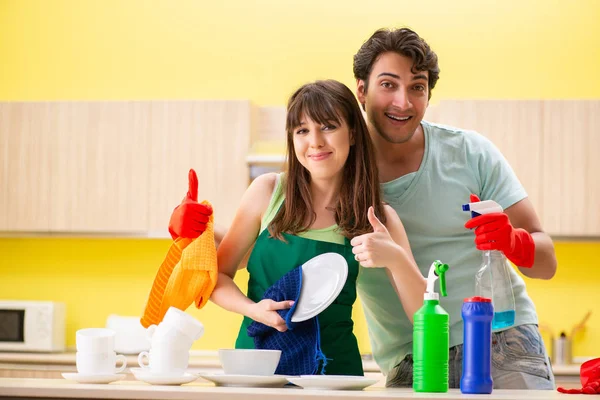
{"points": [[494, 232], [590, 379], [190, 217]]}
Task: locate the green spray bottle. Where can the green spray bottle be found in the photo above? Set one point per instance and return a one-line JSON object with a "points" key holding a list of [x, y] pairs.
{"points": [[431, 337]]}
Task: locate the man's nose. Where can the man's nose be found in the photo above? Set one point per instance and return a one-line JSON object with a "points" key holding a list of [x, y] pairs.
{"points": [[401, 99]]}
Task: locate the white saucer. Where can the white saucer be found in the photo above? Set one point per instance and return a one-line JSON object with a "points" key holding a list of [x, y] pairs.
{"points": [[84, 378], [246, 380], [156, 379], [323, 278], [332, 382]]}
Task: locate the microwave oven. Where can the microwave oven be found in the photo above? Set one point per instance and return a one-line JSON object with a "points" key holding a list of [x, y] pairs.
{"points": [[36, 326]]}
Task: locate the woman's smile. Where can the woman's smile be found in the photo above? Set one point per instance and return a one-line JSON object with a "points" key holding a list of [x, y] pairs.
{"points": [[320, 156]]}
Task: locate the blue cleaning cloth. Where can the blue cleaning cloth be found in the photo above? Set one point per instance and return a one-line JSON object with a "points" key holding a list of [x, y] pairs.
{"points": [[300, 345]]}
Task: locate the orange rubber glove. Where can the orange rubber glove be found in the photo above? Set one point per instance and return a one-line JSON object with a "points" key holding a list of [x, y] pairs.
{"points": [[494, 232], [190, 217]]}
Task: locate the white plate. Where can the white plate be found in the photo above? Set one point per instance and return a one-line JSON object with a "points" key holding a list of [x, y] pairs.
{"points": [[83, 378], [246, 380], [332, 382], [156, 379], [323, 278]]}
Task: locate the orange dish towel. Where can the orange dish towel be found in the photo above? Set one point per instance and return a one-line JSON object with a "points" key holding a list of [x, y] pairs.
{"points": [[187, 275]]}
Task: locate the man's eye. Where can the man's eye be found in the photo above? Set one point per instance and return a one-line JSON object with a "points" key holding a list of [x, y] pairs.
{"points": [[420, 88], [386, 85]]}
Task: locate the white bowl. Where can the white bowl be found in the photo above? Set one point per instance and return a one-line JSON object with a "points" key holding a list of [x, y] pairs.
{"points": [[249, 361]]}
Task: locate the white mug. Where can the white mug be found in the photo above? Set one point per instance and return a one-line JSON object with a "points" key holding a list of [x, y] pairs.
{"points": [[165, 360], [167, 335], [176, 326], [100, 363], [95, 340]]}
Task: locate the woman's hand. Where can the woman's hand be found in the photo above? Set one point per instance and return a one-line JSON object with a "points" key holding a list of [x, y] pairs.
{"points": [[376, 249], [265, 311]]}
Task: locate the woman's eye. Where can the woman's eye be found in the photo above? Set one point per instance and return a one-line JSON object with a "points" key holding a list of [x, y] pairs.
{"points": [[328, 127], [301, 131]]}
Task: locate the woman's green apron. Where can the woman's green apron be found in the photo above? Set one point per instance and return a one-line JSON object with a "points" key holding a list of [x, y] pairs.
{"points": [[271, 259]]}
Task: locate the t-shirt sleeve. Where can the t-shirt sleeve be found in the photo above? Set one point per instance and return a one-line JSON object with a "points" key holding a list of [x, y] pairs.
{"points": [[496, 178]]}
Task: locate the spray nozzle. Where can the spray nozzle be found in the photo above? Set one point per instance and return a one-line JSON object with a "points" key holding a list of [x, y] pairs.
{"points": [[437, 270], [482, 207]]}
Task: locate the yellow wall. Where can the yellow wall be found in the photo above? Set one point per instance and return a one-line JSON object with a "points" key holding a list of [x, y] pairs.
{"points": [[262, 50], [97, 277]]}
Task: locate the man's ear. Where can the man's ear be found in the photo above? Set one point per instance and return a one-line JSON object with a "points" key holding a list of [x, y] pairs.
{"points": [[360, 92]]}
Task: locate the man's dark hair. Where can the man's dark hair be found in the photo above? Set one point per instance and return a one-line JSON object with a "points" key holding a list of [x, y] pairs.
{"points": [[403, 41]]}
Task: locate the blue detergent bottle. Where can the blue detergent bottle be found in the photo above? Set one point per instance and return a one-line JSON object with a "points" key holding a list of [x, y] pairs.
{"points": [[477, 315], [493, 278]]}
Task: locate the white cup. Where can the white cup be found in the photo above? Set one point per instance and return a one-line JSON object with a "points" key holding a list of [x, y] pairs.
{"points": [[165, 360], [160, 334], [176, 326], [95, 340], [100, 363]]}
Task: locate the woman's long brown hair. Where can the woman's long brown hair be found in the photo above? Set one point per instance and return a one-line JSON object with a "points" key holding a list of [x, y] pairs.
{"points": [[323, 102]]}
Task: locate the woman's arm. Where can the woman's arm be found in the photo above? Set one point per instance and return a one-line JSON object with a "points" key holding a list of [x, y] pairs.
{"points": [[406, 277], [236, 243], [388, 247]]}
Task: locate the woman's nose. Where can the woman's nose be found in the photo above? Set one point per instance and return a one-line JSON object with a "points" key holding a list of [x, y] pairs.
{"points": [[316, 140]]}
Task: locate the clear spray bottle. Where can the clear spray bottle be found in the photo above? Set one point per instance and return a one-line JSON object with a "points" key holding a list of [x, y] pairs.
{"points": [[493, 278]]}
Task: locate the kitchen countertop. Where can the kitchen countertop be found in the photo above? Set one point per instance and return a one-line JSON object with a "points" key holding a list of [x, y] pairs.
{"points": [[60, 388], [198, 359]]}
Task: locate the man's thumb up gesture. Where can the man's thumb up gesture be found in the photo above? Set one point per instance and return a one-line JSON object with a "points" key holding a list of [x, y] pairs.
{"points": [[375, 249]]}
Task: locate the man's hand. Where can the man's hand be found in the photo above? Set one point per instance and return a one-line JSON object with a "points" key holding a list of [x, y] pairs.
{"points": [[190, 217], [265, 311], [495, 232]]}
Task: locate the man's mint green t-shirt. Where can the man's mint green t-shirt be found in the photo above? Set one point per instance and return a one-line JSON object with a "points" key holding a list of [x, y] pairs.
{"points": [[429, 202]]}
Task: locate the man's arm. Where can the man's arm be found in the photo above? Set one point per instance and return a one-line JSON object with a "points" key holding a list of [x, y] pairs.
{"points": [[522, 215]]}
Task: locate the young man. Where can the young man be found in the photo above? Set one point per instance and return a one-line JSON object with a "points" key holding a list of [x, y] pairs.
{"points": [[427, 172]]}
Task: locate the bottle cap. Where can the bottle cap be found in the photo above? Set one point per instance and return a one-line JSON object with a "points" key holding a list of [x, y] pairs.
{"points": [[432, 296], [478, 299]]}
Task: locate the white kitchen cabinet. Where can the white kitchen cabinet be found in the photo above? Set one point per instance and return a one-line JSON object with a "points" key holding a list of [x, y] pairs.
{"points": [[213, 137], [73, 167], [122, 166], [25, 177], [99, 167], [118, 167], [571, 165], [553, 148]]}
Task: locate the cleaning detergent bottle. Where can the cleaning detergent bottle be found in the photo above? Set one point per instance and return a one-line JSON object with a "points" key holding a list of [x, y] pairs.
{"points": [[477, 314], [493, 278], [431, 337]]}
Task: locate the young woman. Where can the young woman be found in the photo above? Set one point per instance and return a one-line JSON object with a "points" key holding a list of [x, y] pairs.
{"points": [[328, 196]]}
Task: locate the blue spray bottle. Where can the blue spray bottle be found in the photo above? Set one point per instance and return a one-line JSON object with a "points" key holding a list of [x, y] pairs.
{"points": [[493, 278]]}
